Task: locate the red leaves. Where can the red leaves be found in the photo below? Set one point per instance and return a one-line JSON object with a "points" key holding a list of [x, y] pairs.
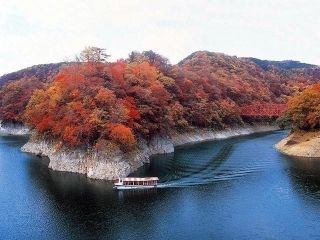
{"points": [[77, 107], [45, 124], [159, 94], [117, 70], [109, 104], [105, 96], [15, 96], [304, 109], [133, 112], [122, 135], [144, 73], [70, 136]]}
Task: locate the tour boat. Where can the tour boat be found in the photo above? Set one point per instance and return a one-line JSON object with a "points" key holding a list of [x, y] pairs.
{"points": [[136, 183]]}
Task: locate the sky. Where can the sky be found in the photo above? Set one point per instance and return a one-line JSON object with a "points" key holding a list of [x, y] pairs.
{"points": [[44, 31]]}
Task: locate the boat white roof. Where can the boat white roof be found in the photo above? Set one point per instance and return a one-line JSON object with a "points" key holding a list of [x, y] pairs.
{"points": [[140, 179]]}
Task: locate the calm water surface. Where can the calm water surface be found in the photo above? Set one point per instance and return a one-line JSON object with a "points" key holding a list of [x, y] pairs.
{"points": [[239, 188]]}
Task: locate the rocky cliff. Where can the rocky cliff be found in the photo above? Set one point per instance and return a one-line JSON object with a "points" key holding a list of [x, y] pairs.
{"points": [[111, 164], [106, 165]]}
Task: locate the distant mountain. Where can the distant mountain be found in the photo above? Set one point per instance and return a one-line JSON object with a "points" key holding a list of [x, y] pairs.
{"points": [[243, 80], [282, 65], [41, 71]]}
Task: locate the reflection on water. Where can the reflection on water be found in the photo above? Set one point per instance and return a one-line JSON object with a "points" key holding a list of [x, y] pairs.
{"points": [[305, 176], [238, 188], [305, 166]]}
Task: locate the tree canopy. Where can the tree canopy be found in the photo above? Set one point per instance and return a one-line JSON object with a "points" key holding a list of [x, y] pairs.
{"points": [[304, 109], [94, 103]]}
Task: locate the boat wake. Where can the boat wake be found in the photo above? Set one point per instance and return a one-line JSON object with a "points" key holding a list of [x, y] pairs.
{"points": [[203, 181], [207, 163]]}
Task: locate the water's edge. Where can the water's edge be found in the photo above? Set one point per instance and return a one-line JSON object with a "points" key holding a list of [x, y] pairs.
{"points": [[300, 144], [15, 129], [239, 188], [109, 165]]}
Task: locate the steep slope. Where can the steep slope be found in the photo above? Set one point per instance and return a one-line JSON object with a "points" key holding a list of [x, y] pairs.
{"points": [[16, 88]]}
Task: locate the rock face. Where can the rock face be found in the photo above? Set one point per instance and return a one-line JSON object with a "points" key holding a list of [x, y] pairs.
{"points": [[13, 129], [98, 165], [301, 144], [110, 165]]}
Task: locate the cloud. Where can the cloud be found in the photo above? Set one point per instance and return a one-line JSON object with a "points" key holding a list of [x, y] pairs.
{"points": [[37, 31]]}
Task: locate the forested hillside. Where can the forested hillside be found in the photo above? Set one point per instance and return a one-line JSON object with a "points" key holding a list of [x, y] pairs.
{"points": [[96, 103], [16, 88], [303, 110], [42, 71], [243, 81], [281, 65]]}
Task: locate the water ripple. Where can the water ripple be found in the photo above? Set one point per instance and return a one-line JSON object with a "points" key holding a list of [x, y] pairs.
{"points": [[208, 163]]}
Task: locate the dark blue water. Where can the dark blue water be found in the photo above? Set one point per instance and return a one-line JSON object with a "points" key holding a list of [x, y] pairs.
{"points": [[240, 188]]}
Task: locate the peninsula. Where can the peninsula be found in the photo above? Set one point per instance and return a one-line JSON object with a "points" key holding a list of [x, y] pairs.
{"points": [[303, 117], [105, 119]]}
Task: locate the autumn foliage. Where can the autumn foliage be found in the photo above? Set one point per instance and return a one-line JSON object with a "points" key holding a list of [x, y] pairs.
{"points": [[96, 103], [16, 89], [88, 102], [304, 109]]}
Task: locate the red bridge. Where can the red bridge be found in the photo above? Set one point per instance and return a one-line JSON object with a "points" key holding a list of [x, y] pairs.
{"points": [[262, 110]]}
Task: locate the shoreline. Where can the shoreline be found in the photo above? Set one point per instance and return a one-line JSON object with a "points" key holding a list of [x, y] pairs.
{"points": [[207, 135], [300, 144], [109, 165], [13, 129]]}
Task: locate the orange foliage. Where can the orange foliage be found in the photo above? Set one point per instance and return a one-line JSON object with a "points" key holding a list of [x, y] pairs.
{"points": [[122, 135], [96, 103], [304, 109]]}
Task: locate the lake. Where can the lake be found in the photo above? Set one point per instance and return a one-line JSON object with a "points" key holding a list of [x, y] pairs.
{"points": [[239, 188]]}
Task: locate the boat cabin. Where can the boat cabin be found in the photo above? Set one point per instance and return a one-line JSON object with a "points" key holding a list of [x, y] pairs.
{"points": [[133, 182]]}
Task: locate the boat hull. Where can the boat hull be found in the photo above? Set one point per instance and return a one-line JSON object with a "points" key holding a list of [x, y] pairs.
{"points": [[133, 187]]}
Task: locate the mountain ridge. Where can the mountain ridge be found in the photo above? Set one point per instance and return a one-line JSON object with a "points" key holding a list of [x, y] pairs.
{"points": [[263, 63]]}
